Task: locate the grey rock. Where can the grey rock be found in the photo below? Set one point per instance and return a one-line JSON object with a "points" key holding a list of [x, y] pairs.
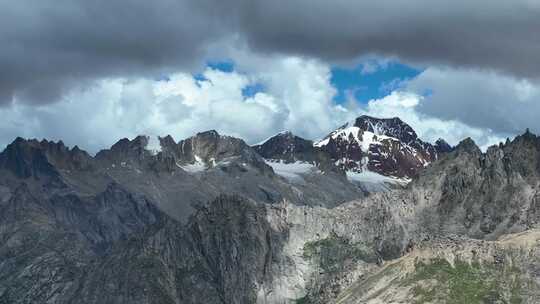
{"points": [[132, 225]]}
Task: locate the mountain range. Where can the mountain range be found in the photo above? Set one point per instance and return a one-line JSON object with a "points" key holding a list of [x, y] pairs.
{"points": [[368, 214]]}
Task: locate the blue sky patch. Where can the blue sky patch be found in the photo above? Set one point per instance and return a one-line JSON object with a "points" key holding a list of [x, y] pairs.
{"points": [[226, 66], [252, 89], [364, 81], [199, 77], [367, 86]]}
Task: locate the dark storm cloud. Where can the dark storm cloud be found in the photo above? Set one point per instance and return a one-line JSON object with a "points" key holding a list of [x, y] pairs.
{"points": [[46, 47], [501, 35], [503, 104]]}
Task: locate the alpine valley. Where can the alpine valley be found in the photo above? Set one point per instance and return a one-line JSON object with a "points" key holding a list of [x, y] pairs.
{"points": [[368, 214]]}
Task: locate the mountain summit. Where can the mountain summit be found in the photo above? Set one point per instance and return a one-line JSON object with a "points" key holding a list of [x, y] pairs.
{"points": [[387, 146]]}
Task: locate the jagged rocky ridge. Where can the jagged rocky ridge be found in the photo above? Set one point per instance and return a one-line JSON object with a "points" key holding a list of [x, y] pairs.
{"points": [[207, 162], [464, 197], [76, 229]]}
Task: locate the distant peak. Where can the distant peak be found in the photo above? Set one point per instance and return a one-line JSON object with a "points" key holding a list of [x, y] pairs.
{"points": [[285, 133], [283, 136], [209, 133], [441, 140], [30, 157], [167, 141], [467, 142], [528, 133], [44, 144], [442, 146], [384, 145], [125, 148], [167, 138], [125, 143], [394, 119], [150, 142], [468, 145], [141, 140], [287, 147], [393, 127], [528, 136]]}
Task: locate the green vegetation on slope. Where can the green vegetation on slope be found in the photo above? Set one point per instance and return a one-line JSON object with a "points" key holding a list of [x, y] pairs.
{"points": [[438, 281], [334, 253]]}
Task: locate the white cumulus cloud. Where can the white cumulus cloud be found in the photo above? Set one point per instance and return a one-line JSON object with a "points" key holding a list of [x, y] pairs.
{"points": [[484, 99], [405, 106], [297, 96]]}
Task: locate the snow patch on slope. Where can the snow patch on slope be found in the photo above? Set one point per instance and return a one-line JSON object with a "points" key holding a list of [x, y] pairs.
{"points": [[291, 171], [197, 166], [364, 141], [374, 177], [153, 145], [374, 182]]}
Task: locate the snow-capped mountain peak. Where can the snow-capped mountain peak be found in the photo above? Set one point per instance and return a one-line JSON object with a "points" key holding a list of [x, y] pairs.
{"points": [[367, 149], [386, 146]]}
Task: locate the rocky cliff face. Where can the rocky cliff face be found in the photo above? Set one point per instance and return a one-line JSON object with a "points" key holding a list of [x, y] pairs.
{"points": [[449, 225], [211, 220], [117, 248]]}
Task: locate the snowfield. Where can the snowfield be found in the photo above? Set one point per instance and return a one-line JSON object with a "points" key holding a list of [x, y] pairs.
{"points": [[197, 166], [291, 171], [368, 138], [375, 182]]}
